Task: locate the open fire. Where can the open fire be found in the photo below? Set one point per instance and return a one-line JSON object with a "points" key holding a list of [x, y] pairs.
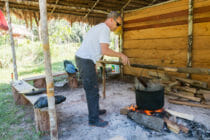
{"points": [[147, 112]]}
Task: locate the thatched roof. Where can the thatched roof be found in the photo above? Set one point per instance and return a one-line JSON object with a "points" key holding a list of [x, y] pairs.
{"points": [[91, 11]]}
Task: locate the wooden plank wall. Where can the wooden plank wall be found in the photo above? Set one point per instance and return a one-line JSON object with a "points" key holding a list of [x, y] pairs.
{"points": [[158, 35]]}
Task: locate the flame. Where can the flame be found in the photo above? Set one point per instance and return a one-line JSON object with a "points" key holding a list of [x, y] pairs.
{"points": [[132, 107], [149, 112]]}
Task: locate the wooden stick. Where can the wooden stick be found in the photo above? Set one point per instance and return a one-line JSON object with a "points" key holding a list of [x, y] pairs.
{"points": [[201, 91], [185, 88], [195, 83], [12, 41], [186, 97], [188, 103]]}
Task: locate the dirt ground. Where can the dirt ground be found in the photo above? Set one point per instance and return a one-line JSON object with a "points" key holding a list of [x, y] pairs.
{"points": [[73, 116]]}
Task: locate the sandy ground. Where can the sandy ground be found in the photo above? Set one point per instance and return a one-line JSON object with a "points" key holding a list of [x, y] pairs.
{"points": [[73, 116]]}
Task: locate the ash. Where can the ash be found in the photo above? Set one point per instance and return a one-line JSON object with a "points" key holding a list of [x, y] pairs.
{"points": [[73, 117]]}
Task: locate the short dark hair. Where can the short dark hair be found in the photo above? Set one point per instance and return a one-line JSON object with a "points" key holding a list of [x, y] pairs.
{"points": [[114, 15]]}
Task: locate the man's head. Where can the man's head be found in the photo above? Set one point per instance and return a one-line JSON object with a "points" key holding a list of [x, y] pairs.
{"points": [[113, 20]]}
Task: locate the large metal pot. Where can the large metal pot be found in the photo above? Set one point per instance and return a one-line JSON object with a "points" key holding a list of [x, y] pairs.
{"points": [[150, 99]]}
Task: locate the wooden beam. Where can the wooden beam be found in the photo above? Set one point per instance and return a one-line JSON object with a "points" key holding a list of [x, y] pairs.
{"points": [[190, 36], [91, 8], [124, 6], [48, 70], [54, 6], [12, 41], [26, 2]]}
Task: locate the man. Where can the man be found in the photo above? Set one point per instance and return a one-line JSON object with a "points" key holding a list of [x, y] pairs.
{"points": [[93, 47]]}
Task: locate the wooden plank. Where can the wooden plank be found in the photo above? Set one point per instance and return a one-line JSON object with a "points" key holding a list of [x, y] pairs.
{"points": [[206, 97], [180, 115], [160, 62], [161, 9], [201, 55], [158, 44], [188, 103], [43, 76], [199, 43], [22, 86], [200, 12], [187, 89], [201, 91], [167, 32], [156, 54]]}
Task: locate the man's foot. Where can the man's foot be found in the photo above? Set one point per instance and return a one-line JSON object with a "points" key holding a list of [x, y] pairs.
{"points": [[102, 111], [99, 123]]}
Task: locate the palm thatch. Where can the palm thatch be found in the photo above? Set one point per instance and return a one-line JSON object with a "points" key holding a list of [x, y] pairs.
{"points": [[89, 11]]}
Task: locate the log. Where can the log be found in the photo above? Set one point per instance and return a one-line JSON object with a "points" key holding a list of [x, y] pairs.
{"points": [[40, 83], [148, 121], [188, 103], [206, 97], [195, 83], [201, 91], [185, 88], [172, 126], [180, 115], [42, 120], [186, 96]]}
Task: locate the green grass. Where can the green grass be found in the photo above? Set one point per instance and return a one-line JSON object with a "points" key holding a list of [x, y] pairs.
{"points": [[11, 116]]}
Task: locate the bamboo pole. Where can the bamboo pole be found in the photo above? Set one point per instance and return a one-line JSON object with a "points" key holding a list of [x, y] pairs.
{"points": [[48, 71], [12, 41], [190, 36]]}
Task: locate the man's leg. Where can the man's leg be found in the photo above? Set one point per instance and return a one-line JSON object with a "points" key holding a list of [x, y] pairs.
{"points": [[89, 80], [90, 83]]}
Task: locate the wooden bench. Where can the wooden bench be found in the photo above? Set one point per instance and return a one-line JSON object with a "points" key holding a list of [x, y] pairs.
{"points": [[40, 115], [40, 82]]}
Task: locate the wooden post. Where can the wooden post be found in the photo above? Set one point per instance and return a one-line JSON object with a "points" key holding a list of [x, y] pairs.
{"points": [[41, 120], [190, 36], [104, 80], [121, 41], [11, 41], [48, 71]]}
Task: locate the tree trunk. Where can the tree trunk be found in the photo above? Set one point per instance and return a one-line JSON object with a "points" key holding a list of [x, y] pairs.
{"points": [[48, 71], [12, 41]]}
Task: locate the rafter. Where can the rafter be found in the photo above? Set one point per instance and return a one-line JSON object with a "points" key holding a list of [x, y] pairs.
{"points": [[54, 5], [92, 8]]}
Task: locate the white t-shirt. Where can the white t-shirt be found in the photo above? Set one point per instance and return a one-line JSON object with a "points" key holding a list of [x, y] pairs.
{"points": [[90, 47]]}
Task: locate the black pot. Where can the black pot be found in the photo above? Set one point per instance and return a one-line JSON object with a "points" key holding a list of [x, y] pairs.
{"points": [[150, 100]]}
